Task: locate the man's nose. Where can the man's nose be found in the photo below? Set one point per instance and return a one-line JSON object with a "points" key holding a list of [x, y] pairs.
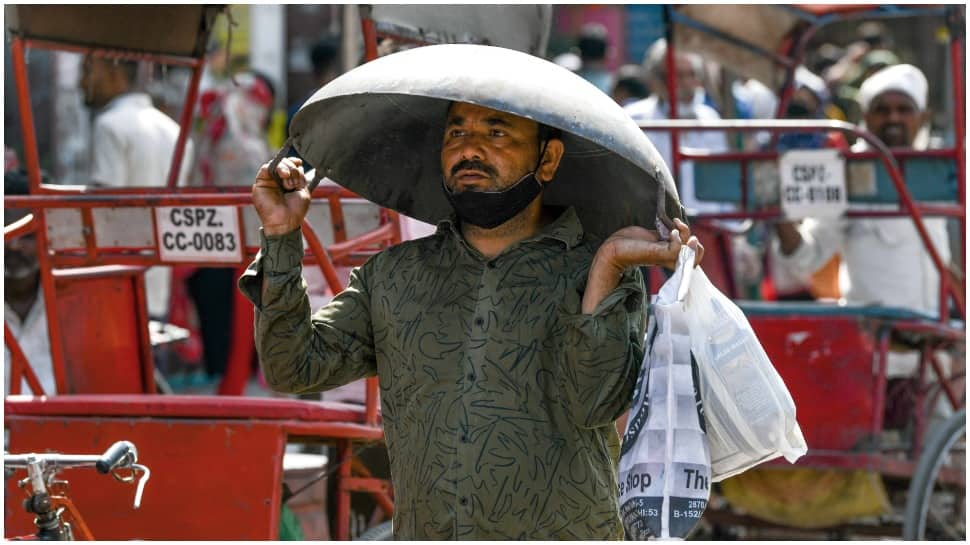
{"points": [[471, 148], [895, 115]]}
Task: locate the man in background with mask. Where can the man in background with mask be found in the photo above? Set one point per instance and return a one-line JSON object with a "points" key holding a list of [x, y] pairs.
{"points": [[690, 105], [506, 343]]}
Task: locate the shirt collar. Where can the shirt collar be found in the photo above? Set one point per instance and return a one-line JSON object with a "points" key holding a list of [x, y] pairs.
{"points": [[141, 100], [566, 229]]}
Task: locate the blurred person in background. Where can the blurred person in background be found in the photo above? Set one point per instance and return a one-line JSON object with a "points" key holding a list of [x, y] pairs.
{"points": [[325, 60], [870, 53], [782, 281], [593, 45], [656, 107], [754, 100], [23, 297], [132, 145], [231, 142], [234, 120], [809, 100]]}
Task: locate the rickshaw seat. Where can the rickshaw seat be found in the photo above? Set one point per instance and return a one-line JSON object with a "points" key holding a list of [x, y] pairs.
{"points": [[103, 320], [929, 179], [215, 455]]}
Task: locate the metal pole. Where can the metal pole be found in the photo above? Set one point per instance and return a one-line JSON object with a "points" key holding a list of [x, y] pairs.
{"points": [[31, 158], [32, 161], [344, 455], [959, 126], [879, 389], [369, 30], [185, 124], [671, 68]]}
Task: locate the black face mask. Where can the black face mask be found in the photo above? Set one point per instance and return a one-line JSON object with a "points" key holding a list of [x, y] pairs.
{"points": [[489, 209]]}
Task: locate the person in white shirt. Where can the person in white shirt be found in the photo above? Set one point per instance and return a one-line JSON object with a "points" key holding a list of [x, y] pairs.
{"points": [[23, 299], [132, 145], [884, 260], [690, 105]]}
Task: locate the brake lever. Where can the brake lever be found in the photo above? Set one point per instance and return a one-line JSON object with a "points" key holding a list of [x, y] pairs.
{"points": [[146, 473]]}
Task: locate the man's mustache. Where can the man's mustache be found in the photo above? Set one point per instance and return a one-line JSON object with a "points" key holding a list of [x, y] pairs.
{"points": [[474, 164]]}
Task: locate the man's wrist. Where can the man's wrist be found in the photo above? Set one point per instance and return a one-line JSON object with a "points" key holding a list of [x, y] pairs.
{"points": [[279, 229]]}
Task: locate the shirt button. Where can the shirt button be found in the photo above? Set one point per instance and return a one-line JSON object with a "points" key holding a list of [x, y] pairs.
{"points": [[463, 500], [464, 438], [490, 264], [479, 321], [471, 377]]}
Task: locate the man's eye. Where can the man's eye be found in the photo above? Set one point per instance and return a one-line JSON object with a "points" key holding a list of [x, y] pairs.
{"points": [[456, 133], [497, 132]]}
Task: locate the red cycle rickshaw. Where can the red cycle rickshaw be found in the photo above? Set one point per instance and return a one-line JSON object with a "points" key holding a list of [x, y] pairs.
{"points": [[833, 357]]}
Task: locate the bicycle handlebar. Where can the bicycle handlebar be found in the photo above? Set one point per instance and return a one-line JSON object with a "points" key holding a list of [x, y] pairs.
{"points": [[120, 454]]}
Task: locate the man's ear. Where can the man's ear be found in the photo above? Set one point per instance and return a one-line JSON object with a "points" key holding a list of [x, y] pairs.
{"points": [[550, 160]]}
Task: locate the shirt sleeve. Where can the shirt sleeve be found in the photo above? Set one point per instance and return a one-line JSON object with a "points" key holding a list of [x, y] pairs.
{"points": [[820, 241], [300, 352], [601, 355], [108, 163]]}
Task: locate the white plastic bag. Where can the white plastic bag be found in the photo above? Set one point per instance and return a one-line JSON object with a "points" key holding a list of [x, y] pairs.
{"points": [[750, 414], [665, 467]]}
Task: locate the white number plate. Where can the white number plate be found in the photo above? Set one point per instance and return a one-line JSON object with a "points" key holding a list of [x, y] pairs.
{"points": [[812, 184], [198, 233]]}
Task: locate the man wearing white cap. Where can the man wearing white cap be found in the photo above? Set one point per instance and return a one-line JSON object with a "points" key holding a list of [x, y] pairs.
{"points": [[884, 258]]}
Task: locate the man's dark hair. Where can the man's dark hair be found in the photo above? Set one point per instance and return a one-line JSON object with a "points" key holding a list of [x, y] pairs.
{"points": [[592, 42], [629, 77], [548, 133], [323, 56], [14, 183]]}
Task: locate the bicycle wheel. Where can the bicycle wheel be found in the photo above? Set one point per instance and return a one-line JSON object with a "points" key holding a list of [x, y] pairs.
{"points": [[936, 502]]}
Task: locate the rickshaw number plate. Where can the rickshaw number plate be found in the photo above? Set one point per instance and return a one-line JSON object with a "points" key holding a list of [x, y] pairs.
{"points": [[812, 184], [197, 234]]}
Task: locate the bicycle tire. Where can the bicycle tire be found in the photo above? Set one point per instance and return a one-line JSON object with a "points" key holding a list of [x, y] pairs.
{"points": [[382, 532], [927, 468]]}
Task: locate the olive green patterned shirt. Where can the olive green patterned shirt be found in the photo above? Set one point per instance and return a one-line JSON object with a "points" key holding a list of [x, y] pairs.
{"points": [[498, 395]]}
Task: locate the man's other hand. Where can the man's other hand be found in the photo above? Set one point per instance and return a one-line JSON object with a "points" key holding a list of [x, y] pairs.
{"points": [[281, 212], [634, 246], [630, 247]]}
